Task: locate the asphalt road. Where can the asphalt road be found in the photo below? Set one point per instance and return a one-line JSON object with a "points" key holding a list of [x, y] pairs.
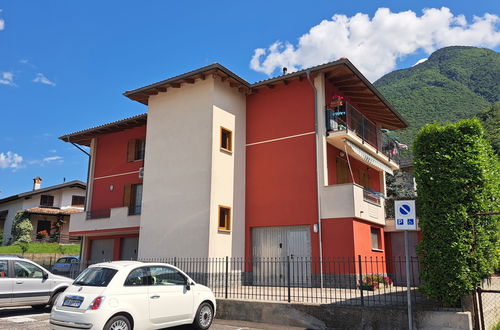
{"points": [[28, 318]]}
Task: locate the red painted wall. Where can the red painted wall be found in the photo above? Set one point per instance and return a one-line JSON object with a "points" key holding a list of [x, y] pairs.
{"points": [[332, 153], [281, 175], [373, 261], [281, 111], [111, 159]]}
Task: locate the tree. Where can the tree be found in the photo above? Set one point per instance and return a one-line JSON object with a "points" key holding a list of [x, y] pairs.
{"points": [[21, 229], [458, 177], [490, 118]]}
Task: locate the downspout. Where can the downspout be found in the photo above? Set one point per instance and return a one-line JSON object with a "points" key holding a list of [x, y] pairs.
{"points": [[318, 183], [82, 245]]}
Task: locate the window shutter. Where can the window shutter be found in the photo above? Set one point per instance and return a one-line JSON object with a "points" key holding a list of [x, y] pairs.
{"points": [[127, 195], [131, 150]]}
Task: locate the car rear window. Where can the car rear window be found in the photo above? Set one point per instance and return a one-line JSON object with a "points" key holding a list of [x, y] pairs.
{"points": [[95, 276]]}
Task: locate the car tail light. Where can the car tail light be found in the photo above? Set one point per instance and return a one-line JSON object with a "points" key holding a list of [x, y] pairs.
{"points": [[96, 303]]}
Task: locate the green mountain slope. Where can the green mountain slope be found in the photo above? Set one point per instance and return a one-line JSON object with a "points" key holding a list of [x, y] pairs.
{"points": [[454, 83]]}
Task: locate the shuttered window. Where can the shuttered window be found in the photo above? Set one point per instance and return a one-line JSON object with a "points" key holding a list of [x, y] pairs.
{"points": [[132, 198], [136, 149], [342, 171], [364, 178], [224, 218], [46, 200]]}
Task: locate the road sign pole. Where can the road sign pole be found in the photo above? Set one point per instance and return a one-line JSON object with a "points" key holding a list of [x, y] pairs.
{"points": [[408, 292]]}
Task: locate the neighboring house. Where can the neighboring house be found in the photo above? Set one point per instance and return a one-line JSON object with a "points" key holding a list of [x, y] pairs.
{"points": [[290, 166], [45, 206]]}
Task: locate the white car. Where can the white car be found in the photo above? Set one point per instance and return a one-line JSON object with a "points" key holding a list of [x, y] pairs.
{"points": [[23, 282], [126, 295]]}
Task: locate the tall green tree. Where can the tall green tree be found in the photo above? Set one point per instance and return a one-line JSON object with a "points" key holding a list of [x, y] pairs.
{"points": [[21, 229], [490, 118], [458, 177]]}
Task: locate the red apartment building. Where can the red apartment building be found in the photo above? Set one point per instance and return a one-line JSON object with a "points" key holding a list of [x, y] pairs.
{"points": [[290, 166]]}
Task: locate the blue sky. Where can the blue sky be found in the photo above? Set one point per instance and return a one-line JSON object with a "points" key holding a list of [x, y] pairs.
{"points": [[65, 64]]}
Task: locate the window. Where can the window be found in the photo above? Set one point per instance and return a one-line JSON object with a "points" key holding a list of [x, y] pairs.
{"points": [[226, 139], [4, 268], [3, 217], [136, 149], [25, 269], [46, 200], [137, 277], [342, 171], [95, 276], [376, 239], [132, 197], [62, 261], [166, 276], [224, 218], [77, 201], [364, 178]]}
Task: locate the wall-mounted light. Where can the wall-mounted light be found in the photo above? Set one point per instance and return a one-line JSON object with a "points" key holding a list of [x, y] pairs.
{"points": [[315, 228], [111, 187], [342, 154]]}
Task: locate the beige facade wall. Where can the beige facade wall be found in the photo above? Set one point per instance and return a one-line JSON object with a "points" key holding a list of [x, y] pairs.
{"points": [[177, 175], [118, 218], [228, 171]]}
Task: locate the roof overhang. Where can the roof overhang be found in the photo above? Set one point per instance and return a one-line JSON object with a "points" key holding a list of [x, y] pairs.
{"points": [[142, 94], [84, 137]]}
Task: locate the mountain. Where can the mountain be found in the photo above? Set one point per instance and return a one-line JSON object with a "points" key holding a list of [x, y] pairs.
{"points": [[454, 83]]}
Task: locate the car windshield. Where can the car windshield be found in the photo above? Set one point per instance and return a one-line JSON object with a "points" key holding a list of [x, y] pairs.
{"points": [[95, 276]]}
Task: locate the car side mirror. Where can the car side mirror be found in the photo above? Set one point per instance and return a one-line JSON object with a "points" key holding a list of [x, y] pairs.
{"points": [[45, 275]]}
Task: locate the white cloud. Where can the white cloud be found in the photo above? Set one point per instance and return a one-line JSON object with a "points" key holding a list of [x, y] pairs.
{"points": [[10, 160], [422, 60], [375, 44], [2, 23], [51, 159], [52, 151], [40, 78], [7, 78]]}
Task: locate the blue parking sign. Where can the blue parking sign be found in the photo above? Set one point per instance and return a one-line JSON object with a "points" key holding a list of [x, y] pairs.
{"points": [[404, 211]]}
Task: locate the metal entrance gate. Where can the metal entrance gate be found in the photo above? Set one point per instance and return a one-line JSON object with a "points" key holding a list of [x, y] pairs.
{"points": [[276, 254]]}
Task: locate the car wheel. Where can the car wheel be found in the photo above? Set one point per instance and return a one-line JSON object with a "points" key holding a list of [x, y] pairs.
{"points": [[118, 323], [204, 316], [54, 299]]}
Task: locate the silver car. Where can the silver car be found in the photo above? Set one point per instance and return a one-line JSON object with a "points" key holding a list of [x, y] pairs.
{"points": [[23, 282]]}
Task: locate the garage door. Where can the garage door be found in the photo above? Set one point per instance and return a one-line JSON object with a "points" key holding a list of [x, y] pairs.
{"points": [[129, 248], [274, 247], [101, 250]]}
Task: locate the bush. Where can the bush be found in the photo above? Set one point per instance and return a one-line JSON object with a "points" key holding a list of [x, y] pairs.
{"points": [[457, 178], [21, 229]]}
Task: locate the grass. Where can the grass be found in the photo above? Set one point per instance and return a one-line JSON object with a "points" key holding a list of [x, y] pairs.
{"points": [[71, 249]]}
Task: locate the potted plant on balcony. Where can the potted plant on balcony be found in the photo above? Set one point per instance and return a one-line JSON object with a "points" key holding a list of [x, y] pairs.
{"points": [[374, 282], [336, 101], [42, 235]]}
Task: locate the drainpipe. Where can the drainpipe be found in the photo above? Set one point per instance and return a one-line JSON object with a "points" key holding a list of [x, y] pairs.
{"points": [[318, 183]]}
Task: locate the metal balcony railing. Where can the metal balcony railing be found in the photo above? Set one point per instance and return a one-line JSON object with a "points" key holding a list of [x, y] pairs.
{"points": [[348, 118]]}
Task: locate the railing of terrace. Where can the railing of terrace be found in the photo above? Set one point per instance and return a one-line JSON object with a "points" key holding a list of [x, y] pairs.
{"points": [[347, 117]]}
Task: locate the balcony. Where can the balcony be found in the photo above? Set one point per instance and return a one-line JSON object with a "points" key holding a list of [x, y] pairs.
{"points": [[348, 129], [107, 219], [351, 200]]}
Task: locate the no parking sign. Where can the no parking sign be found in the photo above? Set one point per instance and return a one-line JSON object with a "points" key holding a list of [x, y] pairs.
{"points": [[405, 215]]}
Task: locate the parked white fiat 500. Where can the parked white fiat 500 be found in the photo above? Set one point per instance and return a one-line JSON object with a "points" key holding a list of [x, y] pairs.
{"points": [[125, 295]]}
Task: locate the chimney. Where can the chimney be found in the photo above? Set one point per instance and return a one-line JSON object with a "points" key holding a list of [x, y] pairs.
{"points": [[284, 70], [37, 183]]}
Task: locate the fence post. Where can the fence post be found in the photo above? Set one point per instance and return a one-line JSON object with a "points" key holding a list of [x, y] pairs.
{"points": [[288, 278], [175, 261], [227, 275], [361, 280], [481, 314]]}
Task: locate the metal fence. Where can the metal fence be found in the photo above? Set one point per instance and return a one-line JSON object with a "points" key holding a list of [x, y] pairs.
{"points": [[362, 281], [489, 309]]}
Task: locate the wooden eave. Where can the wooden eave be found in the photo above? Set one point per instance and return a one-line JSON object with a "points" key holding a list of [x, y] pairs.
{"points": [[142, 94]]}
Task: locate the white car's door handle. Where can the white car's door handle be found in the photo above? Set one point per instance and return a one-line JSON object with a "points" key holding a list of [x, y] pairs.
{"points": [[19, 282], [155, 297]]}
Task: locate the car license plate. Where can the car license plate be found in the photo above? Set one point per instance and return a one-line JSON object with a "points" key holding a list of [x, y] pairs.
{"points": [[72, 301]]}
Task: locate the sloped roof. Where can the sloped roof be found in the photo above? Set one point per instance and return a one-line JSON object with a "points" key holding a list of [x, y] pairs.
{"points": [[69, 184], [53, 211]]}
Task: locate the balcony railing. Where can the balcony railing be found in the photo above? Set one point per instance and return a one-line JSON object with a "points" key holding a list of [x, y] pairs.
{"points": [[370, 197], [348, 118]]}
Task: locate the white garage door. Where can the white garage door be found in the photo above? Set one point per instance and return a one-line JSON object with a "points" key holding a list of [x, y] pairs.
{"points": [[274, 247]]}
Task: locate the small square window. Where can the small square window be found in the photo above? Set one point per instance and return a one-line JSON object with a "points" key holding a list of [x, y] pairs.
{"points": [[224, 218], [77, 201], [46, 200], [226, 139], [376, 239]]}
